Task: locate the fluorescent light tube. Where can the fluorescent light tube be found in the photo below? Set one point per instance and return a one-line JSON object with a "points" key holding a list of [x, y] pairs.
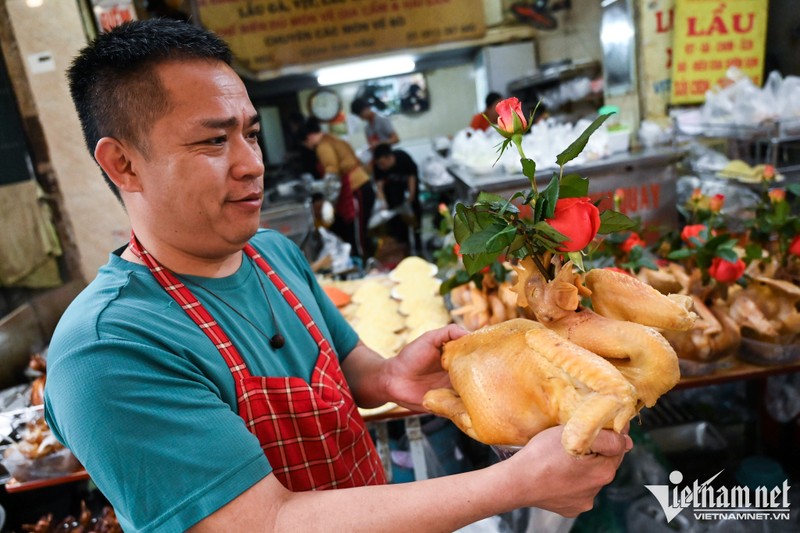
{"points": [[363, 70]]}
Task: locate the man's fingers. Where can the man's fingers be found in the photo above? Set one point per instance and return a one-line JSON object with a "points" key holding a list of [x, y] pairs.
{"points": [[610, 443], [438, 337]]}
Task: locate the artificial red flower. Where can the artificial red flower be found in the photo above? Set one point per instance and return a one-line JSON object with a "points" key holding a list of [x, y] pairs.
{"points": [[508, 109], [630, 242], [693, 231], [578, 219], [794, 247], [725, 271], [716, 202]]}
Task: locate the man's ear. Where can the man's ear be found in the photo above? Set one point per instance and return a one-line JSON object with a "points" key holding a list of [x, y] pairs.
{"points": [[114, 158]]}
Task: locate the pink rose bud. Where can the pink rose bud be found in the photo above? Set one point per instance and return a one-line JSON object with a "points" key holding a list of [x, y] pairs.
{"points": [[716, 203], [443, 210], [777, 195], [697, 195], [769, 173], [619, 194], [507, 110]]}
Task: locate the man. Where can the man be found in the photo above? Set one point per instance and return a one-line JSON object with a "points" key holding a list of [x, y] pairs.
{"points": [[203, 378], [337, 160], [481, 122], [379, 129], [396, 176]]}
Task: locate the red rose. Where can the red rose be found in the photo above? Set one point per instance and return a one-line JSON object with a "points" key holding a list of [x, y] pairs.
{"points": [[578, 219], [508, 109], [693, 231], [725, 271], [630, 242], [794, 248]]}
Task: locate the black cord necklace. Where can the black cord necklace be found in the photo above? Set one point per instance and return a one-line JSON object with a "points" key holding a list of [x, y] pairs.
{"points": [[276, 341]]}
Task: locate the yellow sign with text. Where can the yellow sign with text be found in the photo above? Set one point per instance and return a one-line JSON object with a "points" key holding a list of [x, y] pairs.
{"points": [[271, 34], [710, 36]]}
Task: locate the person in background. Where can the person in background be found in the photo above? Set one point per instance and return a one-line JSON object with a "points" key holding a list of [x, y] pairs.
{"points": [[397, 179], [339, 162], [204, 379], [481, 122], [379, 128]]}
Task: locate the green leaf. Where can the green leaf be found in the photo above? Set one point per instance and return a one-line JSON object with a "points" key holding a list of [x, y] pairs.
{"points": [[546, 230], [794, 188], [682, 253], [579, 144], [501, 240], [459, 278], [612, 221], [477, 242], [573, 186], [550, 195], [753, 251], [528, 169], [489, 198], [475, 262], [727, 254], [498, 271], [577, 260]]}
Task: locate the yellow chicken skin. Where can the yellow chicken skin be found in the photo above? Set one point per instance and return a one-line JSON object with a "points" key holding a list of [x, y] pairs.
{"points": [[640, 352], [623, 297], [515, 379]]}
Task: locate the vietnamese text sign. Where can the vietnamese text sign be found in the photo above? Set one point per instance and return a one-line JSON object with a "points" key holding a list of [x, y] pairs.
{"points": [[656, 18], [270, 34], [709, 37]]}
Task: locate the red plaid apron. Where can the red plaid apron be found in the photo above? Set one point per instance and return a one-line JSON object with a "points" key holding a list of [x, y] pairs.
{"points": [[312, 434]]}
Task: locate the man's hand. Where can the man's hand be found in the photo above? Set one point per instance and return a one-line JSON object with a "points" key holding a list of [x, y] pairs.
{"points": [[418, 369], [572, 482]]}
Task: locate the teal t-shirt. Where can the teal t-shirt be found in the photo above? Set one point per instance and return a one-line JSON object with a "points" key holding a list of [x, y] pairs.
{"points": [[146, 402]]}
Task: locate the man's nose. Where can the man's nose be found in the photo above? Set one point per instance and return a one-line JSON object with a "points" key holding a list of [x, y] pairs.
{"points": [[247, 160]]}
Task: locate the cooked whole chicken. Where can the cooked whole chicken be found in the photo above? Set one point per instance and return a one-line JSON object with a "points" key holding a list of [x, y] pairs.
{"points": [[639, 352], [571, 366], [514, 379]]}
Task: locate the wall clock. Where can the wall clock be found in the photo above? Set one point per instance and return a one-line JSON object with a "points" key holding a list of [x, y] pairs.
{"points": [[324, 104]]}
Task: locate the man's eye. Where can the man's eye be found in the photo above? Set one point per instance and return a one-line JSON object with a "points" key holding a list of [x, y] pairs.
{"points": [[218, 140], [253, 134]]}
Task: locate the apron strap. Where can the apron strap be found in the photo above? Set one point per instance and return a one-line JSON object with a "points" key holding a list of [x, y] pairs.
{"points": [[196, 311]]}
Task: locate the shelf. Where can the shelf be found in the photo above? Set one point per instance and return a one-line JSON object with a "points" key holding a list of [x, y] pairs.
{"points": [[736, 370], [22, 486]]}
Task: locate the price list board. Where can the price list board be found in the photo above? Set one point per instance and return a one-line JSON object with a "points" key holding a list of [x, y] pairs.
{"points": [[268, 35], [709, 37]]}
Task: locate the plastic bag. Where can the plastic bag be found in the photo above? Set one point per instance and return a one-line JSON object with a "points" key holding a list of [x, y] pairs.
{"points": [[782, 399]]}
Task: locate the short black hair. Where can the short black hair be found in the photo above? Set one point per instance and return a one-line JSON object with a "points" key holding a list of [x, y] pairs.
{"points": [[113, 83], [358, 105], [492, 98], [382, 150], [311, 125]]}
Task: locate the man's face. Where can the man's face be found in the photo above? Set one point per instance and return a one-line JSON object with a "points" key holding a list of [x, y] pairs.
{"points": [[385, 163], [203, 179]]}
